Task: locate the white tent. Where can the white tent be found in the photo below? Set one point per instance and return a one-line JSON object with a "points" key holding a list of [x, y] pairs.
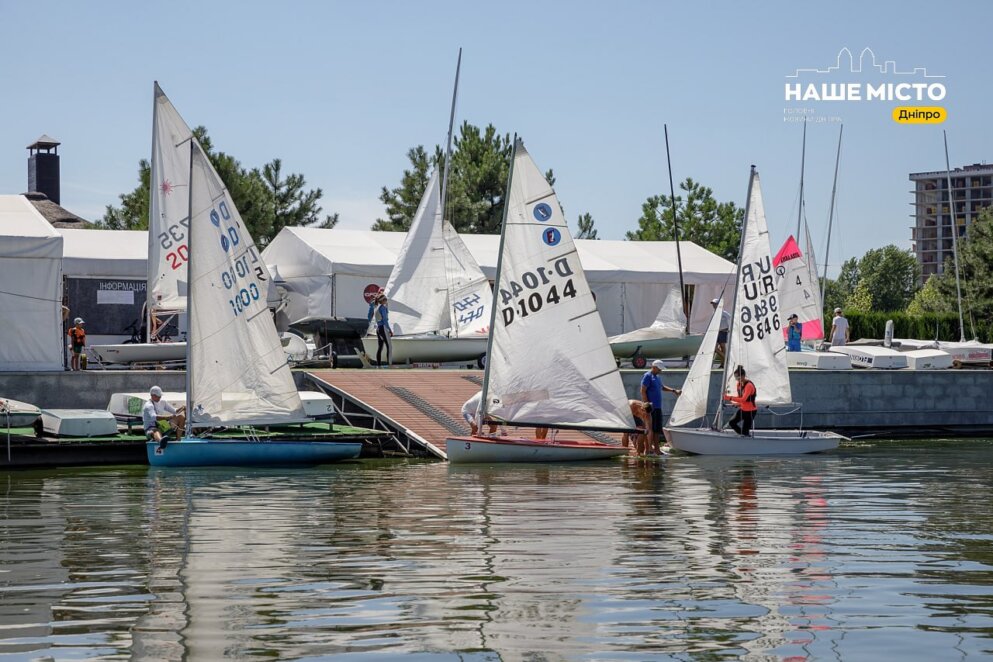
{"points": [[30, 288], [105, 254], [327, 271]]}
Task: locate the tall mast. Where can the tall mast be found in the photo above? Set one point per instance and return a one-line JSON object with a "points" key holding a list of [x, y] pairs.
{"points": [[834, 190], [151, 192], [734, 301], [675, 230], [803, 162], [481, 412], [448, 145], [955, 234], [190, 305]]}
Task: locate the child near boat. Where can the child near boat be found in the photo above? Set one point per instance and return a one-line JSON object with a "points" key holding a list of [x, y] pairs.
{"points": [[745, 401]]}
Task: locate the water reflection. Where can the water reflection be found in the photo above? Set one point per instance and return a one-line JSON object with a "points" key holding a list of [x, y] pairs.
{"points": [[876, 551]]}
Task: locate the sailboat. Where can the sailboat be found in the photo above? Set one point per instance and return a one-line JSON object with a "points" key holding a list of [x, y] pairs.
{"points": [[755, 342], [665, 338], [168, 246], [237, 373], [550, 365], [14, 414], [439, 299]]}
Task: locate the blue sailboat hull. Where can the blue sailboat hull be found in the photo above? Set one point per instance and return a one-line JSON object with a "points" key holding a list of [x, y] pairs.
{"points": [[192, 452]]}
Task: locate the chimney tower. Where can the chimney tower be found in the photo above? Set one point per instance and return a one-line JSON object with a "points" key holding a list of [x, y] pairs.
{"points": [[43, 167]]}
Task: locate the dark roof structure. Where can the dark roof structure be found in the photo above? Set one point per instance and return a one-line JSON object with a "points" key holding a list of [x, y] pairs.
{"points": [[55, 214]]}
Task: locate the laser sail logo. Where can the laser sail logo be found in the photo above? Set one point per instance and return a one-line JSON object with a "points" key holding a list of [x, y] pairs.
{"points": [[865, 79]]}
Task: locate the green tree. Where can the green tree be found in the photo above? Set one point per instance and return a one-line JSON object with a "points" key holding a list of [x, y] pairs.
{"points": [[860, 300], [586, 229], [929, 299], [477, 182], [713, 225], [975, 271], [267, 202], [891, 275]]}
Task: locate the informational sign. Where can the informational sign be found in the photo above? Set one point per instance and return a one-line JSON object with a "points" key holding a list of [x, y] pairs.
{"points": [[115, 297], [110, 306]]}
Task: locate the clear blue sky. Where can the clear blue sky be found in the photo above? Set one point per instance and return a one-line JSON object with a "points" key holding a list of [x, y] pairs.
{"points": [[341, 90]]}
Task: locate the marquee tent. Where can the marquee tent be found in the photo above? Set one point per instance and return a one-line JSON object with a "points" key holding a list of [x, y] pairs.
{"points": [[30, 288], [325, 273]]}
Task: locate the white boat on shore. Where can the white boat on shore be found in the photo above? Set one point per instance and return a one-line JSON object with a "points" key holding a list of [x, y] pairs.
{"points": [[430, 348], [755, 342], [173, 353], [818, 361], [666, 338], [16, 414], [928, 359], [549, 363], [870, 356]]}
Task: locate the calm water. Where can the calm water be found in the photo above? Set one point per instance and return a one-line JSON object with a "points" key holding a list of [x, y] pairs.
{"points": [[877, 552]]}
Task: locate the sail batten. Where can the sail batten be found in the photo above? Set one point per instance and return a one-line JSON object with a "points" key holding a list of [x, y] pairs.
{"points": [[549, 362]]}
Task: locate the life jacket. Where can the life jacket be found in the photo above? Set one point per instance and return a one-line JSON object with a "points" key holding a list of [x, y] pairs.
{"points": [[747, 404], [78, 336]]}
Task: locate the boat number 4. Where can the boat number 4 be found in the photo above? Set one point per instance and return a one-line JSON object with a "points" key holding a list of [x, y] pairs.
{"points": [[537, 289]]}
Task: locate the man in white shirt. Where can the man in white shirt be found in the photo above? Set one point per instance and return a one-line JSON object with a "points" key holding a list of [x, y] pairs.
{"points": [[469, 411], [839, 329], [722, 332], [157, 409]]}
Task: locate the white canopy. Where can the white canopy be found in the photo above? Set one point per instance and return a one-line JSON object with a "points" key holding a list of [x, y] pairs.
{"points": [[326, 272], [30, 288], [105, 253]]}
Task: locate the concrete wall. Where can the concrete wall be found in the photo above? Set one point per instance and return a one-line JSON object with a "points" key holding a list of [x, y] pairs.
{"points": [[862, 401], [903, 401]]}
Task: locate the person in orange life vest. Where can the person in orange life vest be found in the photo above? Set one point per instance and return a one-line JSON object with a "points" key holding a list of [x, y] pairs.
{"points": [[743, 419], [77, 335]]}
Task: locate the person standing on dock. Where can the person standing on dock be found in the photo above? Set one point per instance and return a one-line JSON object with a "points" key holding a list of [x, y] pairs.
{"points": [[651, 394], [722, 333], [156, 409], [839, 329], [794, 334], [745, 401], [379, 311], [77, 337]]}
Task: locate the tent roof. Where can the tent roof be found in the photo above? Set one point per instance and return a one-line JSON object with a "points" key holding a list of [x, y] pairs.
{"points": [[24, 232], [301, 251], [105, 253]]}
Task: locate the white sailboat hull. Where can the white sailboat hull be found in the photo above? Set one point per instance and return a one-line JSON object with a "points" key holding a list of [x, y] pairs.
{"points": [[16, 414], [928, 359], [485, 450], [139, 352], [428, 349], [78, 422], [818, 361], [969, 352], [656, 348], [866, 356], [704, 441]]}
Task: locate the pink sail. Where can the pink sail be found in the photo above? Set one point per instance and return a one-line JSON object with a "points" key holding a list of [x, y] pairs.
{"points": [[796, 293]]}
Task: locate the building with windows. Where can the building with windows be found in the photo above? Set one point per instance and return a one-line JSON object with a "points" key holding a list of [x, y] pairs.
{"points": [[972, 190]]}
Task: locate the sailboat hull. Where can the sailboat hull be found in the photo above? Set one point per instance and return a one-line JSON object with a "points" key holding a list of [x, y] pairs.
{"points": [[704, 441], [487, 450], [656, 348], [16, 414], [429, 349], [139, 352], [244, 453]]}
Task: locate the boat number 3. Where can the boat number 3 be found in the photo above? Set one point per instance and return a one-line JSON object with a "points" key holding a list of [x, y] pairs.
{"points": [[468, 446]]}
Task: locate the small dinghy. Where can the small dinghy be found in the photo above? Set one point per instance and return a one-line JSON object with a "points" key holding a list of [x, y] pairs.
{"points": [[818, 361], [869, 356], [14, 414], [78, 423]]}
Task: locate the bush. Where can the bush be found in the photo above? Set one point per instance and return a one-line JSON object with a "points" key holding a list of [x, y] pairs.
{"points": [[931, 326]]}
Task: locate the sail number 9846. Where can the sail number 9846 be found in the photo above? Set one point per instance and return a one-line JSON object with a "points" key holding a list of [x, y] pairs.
{"points": [[760, 319], [537, 289]]}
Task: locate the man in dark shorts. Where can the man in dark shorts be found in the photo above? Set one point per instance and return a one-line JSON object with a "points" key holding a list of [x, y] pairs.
{"points": [[77, 336], [651, 393], [722, 333]]}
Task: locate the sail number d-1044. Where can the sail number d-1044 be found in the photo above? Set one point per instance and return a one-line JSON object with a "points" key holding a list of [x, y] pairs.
{"points": [[539, 288]]}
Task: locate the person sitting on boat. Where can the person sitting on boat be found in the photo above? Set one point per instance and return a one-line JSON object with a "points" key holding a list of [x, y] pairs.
{"points": [[745, 401], [77, 337], [839, 329], [651, 394], [469, 411], [639, 410], [794, 334], [379, 311], [722, 333], [158, 416]]}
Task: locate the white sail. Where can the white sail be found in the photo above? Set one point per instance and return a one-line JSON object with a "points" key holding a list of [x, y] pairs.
{"points": [[549, 363], [168, 220], [813, 279], [469, 295], [239, 373], [671, 318], [418, 288], [756, 338], [797, 295], [692, 403]]}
